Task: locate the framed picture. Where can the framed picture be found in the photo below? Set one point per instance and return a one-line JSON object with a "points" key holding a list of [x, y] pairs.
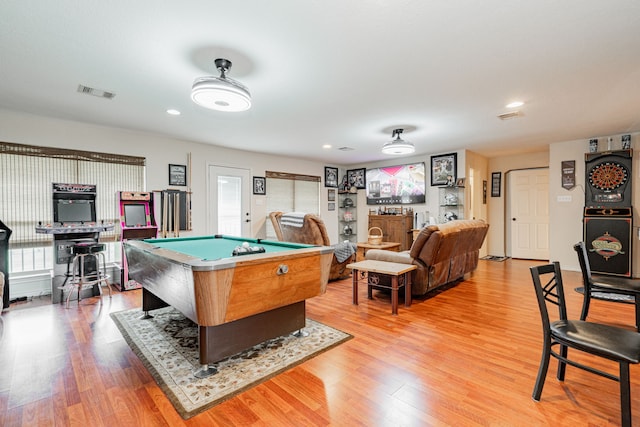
{"points": [[332, 206], [330, 177], [443, 169], [356, 178], [331, 195], [496, 178], [460, 182], [177, 175], [259, 185], [484, 192]]}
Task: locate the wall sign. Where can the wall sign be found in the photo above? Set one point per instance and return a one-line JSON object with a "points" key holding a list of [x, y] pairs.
{"points": [[568, 174], [496, 178]]}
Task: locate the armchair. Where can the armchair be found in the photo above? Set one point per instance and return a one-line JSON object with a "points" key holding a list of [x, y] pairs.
{"points": [[310, 229]]}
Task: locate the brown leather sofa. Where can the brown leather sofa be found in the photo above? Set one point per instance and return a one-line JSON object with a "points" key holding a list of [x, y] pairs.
{"points": [[312, 232], [443, 253]]}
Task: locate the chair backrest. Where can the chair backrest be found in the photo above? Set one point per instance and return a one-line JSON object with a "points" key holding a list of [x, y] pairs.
{"points": [[547, 281], [312, 232], [583, 259], [275, 221]]}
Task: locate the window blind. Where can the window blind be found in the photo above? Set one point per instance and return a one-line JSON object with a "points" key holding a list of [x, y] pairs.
{"points": [[27, 172]]}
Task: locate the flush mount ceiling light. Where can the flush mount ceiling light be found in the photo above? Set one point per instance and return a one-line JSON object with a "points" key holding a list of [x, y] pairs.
{"points": [[398, 145], [221, 93]]}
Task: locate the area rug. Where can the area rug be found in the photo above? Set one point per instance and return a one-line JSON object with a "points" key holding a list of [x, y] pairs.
{"points": [[167, 345], [608, 296]]}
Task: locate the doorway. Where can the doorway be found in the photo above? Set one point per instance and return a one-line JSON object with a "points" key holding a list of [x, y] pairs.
{"points": [[229, 195], [528, 213]]}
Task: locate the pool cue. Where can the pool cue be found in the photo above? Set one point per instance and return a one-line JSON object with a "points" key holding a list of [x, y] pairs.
{"points": [[164, 214], [188, 196], [176, 215]]}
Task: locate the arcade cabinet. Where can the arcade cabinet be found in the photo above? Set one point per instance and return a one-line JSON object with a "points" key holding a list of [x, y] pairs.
{"points": [[74, 222], [608, 214], [137, 221], [5, 233]]}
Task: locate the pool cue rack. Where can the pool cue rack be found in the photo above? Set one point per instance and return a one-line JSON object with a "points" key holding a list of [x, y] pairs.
{"points": [[175, 212]]}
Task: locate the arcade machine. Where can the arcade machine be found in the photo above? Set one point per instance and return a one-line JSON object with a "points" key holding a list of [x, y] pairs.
{"points": [[608, 214], [74, 221], [136, 222], [5, 233]]}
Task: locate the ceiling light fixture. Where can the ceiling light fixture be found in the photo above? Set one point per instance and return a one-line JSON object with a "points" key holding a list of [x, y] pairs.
{"points": [[515, 104], [398, 146], [173, 112], [221, 93]]}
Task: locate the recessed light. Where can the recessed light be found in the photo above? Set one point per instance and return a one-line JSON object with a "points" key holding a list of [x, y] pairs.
{"points": [[515, 104], [326, 146], [173, 112]]}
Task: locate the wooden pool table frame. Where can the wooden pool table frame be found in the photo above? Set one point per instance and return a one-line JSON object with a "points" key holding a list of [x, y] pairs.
{"points": [[237, 302]]}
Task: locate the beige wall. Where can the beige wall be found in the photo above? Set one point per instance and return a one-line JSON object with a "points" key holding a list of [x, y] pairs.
{"points": [[566, 226], [497, 232]]}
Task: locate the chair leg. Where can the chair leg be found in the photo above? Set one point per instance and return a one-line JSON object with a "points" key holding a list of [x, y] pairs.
{"points": [[562, 366], [586, 301], [637, 298], [542, 372], [625, 395]]}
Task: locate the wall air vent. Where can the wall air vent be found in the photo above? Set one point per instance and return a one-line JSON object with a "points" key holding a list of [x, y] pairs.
{"points": [[95, 92], [510, 115], [345, 149]]}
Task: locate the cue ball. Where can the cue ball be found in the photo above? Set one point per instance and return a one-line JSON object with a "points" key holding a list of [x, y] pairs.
{"points": [[245, 244]]}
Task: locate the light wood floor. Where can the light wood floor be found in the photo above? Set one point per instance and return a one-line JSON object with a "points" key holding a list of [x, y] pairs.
{"points": [[467, 356]]}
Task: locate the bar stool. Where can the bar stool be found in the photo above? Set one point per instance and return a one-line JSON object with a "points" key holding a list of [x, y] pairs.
{"points": [[80, 279]]}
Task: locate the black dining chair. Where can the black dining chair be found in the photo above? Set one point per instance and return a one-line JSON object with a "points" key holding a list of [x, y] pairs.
{"points": [[608, 284], [610, 342]]}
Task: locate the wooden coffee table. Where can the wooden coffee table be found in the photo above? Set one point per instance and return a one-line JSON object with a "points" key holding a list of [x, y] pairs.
{"points": [[393, 269], [363, 247]]}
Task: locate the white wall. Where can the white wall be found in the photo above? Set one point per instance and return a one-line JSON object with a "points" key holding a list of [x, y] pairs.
{"points": [[160, 151]]}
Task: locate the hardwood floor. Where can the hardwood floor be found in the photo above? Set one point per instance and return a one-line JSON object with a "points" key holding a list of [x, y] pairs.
{"points": [[467, 356]]}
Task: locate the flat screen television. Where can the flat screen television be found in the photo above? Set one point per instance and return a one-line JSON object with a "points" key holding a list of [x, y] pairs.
{"points": [[135, 215], [74, 210], [393, 185]]}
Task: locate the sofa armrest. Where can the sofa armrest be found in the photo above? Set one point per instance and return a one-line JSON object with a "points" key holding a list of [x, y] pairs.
{"points": [[389, 256]]}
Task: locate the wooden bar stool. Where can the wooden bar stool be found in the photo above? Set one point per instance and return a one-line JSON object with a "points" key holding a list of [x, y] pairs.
{"points": [[80, 279]]}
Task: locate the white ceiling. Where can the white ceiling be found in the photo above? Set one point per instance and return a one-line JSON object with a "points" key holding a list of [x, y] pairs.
{"points": [[339, 72]]}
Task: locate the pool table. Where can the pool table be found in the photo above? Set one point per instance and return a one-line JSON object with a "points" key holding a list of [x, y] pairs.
{"points": [[236, 301]]}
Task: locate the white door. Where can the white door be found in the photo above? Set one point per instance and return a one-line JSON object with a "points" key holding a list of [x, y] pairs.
{"points": [[228, 211], [528, 192]]}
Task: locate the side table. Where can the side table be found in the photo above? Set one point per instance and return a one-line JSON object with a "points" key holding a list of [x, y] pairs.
{"points": [[393, 269], [363, 247]]}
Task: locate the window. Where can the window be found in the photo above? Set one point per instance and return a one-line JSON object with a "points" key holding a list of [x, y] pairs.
{"points": [[26, 174], [291, 193]]}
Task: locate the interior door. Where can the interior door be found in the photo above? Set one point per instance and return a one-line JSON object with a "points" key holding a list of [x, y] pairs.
{"points": [[528, 193], [228, 210]]}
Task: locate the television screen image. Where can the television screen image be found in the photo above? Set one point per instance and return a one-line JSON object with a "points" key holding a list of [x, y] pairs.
{"points": [[71, 210], [135, 215], [403, 184]]}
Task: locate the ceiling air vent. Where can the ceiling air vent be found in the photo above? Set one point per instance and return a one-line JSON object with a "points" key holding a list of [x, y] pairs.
{"points": [[95, 92], [510, 115], [345, 149]]}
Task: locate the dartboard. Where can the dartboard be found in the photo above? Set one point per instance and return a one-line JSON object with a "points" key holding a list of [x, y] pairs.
{"points": [[608, 176]]}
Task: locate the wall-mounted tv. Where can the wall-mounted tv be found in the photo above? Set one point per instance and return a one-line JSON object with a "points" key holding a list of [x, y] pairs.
{"points": [[393, 185]]}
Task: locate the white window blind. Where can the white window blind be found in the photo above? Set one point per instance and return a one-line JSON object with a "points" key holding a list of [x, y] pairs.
{"points": [[291, 193], [27, 173]]}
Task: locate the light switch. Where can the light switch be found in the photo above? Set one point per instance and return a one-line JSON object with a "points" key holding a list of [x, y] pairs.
{"points": [[564, 199]]}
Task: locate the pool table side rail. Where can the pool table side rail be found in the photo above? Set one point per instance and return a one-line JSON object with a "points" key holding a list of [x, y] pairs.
{"points": [[215, 292]]}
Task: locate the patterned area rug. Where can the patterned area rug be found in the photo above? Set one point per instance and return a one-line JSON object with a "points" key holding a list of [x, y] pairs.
{"points": [[168, 347], [608, 296]]}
